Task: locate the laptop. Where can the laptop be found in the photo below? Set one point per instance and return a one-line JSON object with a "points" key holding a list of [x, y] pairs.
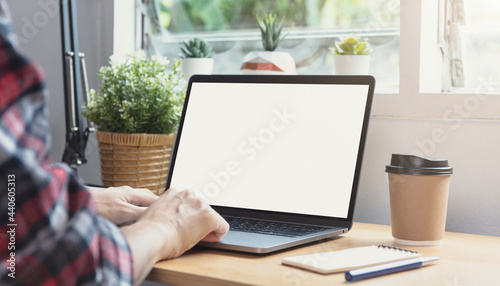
{"points": [[278, 156]]}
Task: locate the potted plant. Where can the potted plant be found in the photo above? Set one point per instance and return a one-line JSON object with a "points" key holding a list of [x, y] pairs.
{"points": [[196, 57], [269, 61], [351, 55], [137, 112]]}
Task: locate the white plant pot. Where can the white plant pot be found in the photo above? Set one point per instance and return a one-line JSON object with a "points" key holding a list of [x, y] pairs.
{"points": [[265, 62], [191, 66], [351, 64]]}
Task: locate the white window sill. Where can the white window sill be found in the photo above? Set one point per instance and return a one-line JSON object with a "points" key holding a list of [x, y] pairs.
{"points": [[440, 106]]}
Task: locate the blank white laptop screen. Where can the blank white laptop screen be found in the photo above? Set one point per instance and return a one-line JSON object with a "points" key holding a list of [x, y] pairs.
{"points": [[271, 146]]}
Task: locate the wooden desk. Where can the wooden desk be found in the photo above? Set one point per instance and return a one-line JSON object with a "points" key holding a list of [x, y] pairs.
{"points": [[465, 260]]}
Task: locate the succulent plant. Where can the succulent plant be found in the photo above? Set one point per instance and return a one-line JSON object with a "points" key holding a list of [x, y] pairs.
{"points": [[271, 31], [352, 45], [196, 48]]}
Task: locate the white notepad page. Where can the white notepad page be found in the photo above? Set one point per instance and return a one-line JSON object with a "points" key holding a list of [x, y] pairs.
{"points": [[348, 259]]}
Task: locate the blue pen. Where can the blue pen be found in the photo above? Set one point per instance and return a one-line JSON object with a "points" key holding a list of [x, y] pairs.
{"points": [[388, 268]]}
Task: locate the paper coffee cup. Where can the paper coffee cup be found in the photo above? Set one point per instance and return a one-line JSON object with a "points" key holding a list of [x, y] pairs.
{"points": [[419, 190]]}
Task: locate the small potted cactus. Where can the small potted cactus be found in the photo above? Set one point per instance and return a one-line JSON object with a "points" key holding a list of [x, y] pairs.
{"points": [[351, 55], [269, 61], [196, 57]]}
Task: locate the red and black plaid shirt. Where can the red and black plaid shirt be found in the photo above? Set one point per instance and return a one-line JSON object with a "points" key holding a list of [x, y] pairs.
{"points": [[50, 232]]}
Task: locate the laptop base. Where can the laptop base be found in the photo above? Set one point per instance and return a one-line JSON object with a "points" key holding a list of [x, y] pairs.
{"points": [[262, 244]]}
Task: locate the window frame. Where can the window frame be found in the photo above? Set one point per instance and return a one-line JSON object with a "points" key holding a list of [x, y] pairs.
{"points": [[126, 42], [412, 102]]}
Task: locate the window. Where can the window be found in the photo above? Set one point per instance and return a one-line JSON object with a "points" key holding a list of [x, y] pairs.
{"points": [[317, 24], [311, 26], [480, 40], [469, 41]]}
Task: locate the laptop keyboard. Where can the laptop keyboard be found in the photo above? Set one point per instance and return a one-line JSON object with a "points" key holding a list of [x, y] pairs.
{"points": [[271, 227]]}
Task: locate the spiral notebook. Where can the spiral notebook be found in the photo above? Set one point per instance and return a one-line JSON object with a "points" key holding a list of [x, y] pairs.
{"points": [[348, 259]]}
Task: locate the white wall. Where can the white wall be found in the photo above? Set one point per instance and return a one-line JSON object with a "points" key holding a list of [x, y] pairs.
{"points": [[466, 127]]}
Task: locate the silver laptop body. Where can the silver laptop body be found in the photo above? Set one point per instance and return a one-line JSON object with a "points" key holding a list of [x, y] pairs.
{"points": [[282, 152]]}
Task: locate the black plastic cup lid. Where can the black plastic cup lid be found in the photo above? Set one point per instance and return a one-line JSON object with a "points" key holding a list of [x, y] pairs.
{"points": [[414, 165]]}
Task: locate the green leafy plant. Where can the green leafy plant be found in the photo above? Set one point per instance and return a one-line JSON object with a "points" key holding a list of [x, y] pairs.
{"points": [[138, 95], [196, 48], [352, 45], [271, 31]]}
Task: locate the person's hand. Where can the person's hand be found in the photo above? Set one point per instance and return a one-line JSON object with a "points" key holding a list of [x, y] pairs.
{"points": [[186, 219], [122, 205], [170, 226]]}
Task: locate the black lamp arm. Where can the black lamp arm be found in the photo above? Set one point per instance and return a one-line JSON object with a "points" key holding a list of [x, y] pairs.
{"points": [[75, 72]]}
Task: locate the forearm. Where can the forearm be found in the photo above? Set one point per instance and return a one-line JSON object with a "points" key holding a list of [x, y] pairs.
{"points": [[146, 242]]}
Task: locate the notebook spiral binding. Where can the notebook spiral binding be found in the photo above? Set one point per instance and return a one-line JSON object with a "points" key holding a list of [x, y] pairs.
{"points": [[396, 248]]}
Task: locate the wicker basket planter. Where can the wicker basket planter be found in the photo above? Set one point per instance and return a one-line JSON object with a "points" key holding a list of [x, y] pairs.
{"points": [[136, 160]]}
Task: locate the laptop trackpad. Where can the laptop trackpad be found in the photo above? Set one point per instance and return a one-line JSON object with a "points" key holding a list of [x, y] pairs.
{"points": [[254, 239]]}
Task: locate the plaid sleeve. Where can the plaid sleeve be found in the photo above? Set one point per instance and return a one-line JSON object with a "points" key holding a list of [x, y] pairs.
{"points": [[50, 233]]}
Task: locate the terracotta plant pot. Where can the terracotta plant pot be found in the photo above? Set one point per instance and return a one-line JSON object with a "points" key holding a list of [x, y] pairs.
{"points": [[265, 62]]}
